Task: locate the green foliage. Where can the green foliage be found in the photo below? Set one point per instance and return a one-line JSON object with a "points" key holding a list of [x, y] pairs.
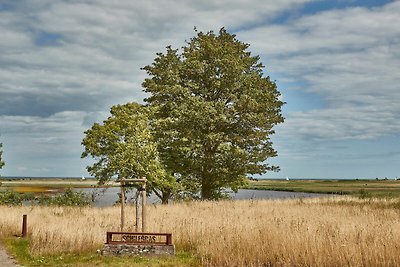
{"points": [[123, 147], [10, 198], [1, 153], [67, 198], [214, 112]]}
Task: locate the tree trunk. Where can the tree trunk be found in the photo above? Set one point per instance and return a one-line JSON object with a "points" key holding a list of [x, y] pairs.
{"points": [[206, 189], [206, 179], [165, 198]]}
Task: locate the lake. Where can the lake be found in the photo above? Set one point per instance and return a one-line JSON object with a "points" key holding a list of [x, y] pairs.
{"points": [[108, 196]]}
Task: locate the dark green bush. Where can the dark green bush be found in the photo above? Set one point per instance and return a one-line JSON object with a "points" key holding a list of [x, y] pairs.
{"points": [[10, 198], [67, 198]]}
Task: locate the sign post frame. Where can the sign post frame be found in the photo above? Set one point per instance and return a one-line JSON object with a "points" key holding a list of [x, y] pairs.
{"points": [[139, 242], [123, 184]]}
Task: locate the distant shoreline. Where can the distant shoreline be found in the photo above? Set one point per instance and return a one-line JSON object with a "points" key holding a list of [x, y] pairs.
{"points": [[255, 179], [356, 187], [44, 178]]}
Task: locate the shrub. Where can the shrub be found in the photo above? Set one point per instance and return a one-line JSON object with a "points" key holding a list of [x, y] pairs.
{"points": [[10, 198], [68, 198]]}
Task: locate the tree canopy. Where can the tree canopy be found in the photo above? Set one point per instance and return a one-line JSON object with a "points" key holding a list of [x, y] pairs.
{"points": [[123, 147], [214, 112], [206, 125]]}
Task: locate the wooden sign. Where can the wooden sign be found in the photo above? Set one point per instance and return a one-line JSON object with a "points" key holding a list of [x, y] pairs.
{"points": [[139, 238]]}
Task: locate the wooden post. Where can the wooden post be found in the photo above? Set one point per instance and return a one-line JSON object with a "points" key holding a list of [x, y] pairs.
{"points": [[123, 183], [169, 239], [122, 207], [137, 211], [109, 238], [24, 225], [144, 207]]}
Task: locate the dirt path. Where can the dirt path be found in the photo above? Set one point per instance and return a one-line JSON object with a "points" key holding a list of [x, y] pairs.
{"points": [[6, 260]]}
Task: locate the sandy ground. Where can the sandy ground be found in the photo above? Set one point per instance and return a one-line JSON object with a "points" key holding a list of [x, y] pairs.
{"points": [[6, 260]]}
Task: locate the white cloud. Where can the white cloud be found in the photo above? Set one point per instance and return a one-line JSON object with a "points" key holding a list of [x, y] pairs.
{"points": [[45, 146], [341, 124], [100, 47], [52, 90], [349, 57]]}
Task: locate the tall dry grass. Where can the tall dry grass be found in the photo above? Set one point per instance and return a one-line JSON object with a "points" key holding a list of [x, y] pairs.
{"points": [[312, 232]]}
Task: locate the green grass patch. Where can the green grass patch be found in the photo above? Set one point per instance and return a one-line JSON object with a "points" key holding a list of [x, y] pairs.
{"points": [[19, 248]]}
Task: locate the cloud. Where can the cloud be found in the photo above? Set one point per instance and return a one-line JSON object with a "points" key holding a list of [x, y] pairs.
{"points": [[87, 55], [45, 146], [65, 63], [351, 58], [341, 124]]}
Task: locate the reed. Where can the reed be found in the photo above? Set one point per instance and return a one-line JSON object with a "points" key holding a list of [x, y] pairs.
{"points": [[334, 231]]}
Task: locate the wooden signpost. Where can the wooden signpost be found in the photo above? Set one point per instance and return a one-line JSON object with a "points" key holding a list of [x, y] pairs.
{"points": [[127, 182], [139, 242]]}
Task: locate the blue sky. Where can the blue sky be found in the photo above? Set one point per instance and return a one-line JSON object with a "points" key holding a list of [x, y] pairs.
{"points": [[336, 63]]}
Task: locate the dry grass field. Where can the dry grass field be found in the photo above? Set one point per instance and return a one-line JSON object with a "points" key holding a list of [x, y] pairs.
{"points": [[334, 231]]}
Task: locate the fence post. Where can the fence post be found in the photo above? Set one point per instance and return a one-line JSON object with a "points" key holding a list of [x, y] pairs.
{"points": [[137, 211], [24, 225], [122, 207], [144, 207]]}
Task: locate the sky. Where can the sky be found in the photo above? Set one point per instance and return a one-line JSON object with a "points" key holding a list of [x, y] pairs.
{"points": [[63, 64]]}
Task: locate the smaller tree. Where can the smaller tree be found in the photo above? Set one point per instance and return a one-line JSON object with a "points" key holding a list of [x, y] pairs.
{"points": [[123, 147], [1, 152]]}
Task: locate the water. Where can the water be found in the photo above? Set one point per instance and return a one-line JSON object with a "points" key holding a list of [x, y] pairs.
{"points": [[108, 196], [268, 194]]}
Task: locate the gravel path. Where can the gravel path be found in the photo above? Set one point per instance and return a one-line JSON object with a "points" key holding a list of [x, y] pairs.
{"points": [[6, 260]]}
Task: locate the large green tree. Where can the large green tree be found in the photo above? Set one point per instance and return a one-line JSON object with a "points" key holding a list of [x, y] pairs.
{"points": [[215, 111], [123, 147]]}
